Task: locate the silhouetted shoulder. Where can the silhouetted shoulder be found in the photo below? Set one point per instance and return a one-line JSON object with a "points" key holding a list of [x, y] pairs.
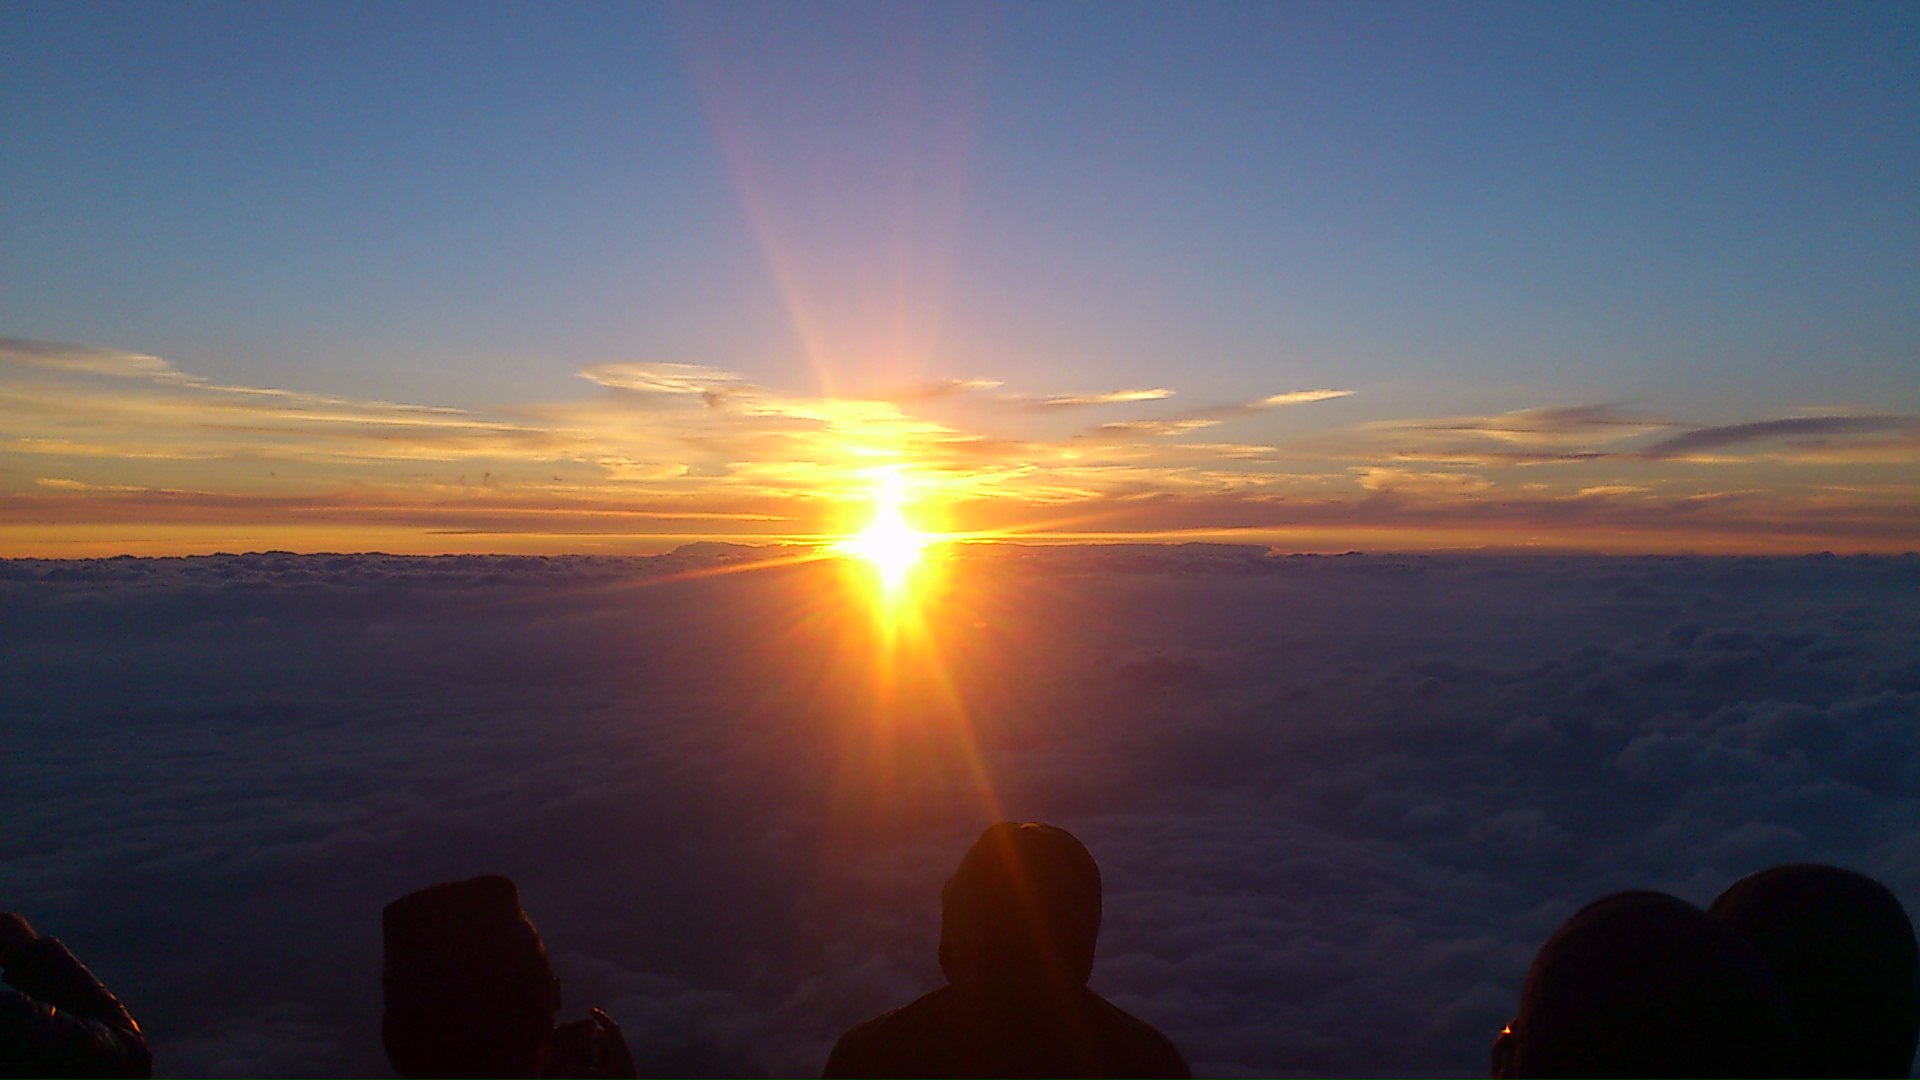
{"points": [[1004, 1031], [1155, 1053], [864, 1050]]}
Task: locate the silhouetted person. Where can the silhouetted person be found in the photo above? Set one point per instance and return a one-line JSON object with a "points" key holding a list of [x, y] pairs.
{"points": [[469, 991], [60, 1021], [1645, 984], [1843, 950], [1018, 923]]}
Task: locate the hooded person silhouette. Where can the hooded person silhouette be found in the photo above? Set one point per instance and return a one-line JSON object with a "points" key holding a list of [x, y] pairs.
{"points": [[1019, 919], [469, 991], [1844, 952], [1646, 984]]}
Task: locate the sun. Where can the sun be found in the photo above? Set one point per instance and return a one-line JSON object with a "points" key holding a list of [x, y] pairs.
{"points": [[888, 542], [891, 545]]}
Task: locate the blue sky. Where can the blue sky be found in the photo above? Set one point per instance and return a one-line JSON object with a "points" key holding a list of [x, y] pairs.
{"points": [[1699, 215]]}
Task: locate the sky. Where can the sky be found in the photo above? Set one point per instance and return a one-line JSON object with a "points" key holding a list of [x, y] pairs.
{"points": [[1337, 802], [610, 278]]}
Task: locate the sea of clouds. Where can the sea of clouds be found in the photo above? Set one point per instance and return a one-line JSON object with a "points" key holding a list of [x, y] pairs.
{"points": [[1338, 801]]}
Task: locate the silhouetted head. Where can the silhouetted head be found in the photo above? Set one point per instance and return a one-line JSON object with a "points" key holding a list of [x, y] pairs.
{"points": [[1844, 952], [1025, 901], [1644, 984], [469, 991]]}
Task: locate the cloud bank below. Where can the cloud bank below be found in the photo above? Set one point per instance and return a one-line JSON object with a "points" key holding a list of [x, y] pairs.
{"points": [[1331, 796]]}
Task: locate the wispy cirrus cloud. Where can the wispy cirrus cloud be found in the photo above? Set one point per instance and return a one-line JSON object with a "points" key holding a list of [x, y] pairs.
{"points": [[1122, 429], [1109, 397], [662, 378], [1811, 436], [1295, 397], [1384, 480], [87, 360], [1284, 399], [1057, 402], [1168, 427], [73, 393], [1562, 434], [939, 390], [1558, 426], [1600, 433]]}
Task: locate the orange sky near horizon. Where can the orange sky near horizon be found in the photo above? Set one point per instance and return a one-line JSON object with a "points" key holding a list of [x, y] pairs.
{"points": [[109, 453]]}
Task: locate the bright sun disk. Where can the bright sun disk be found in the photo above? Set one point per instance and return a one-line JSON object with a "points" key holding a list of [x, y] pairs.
{"points": [[888, 542]]}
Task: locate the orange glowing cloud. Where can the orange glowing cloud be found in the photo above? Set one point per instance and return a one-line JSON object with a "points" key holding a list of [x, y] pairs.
{"points": [[102, 440]]}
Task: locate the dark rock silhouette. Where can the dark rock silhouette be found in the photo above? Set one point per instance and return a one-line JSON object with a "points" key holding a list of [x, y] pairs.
{"points": [[469, 991], [1019, 920], [1844, 952], [60, 1020], [1646, 984]]}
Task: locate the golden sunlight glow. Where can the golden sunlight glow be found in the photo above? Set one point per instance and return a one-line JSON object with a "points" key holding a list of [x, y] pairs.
{"points": [[888, 542]]}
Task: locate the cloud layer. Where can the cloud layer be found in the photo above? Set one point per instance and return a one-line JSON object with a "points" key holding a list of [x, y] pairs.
{"points": [[1337, 801], [659, 452]]}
